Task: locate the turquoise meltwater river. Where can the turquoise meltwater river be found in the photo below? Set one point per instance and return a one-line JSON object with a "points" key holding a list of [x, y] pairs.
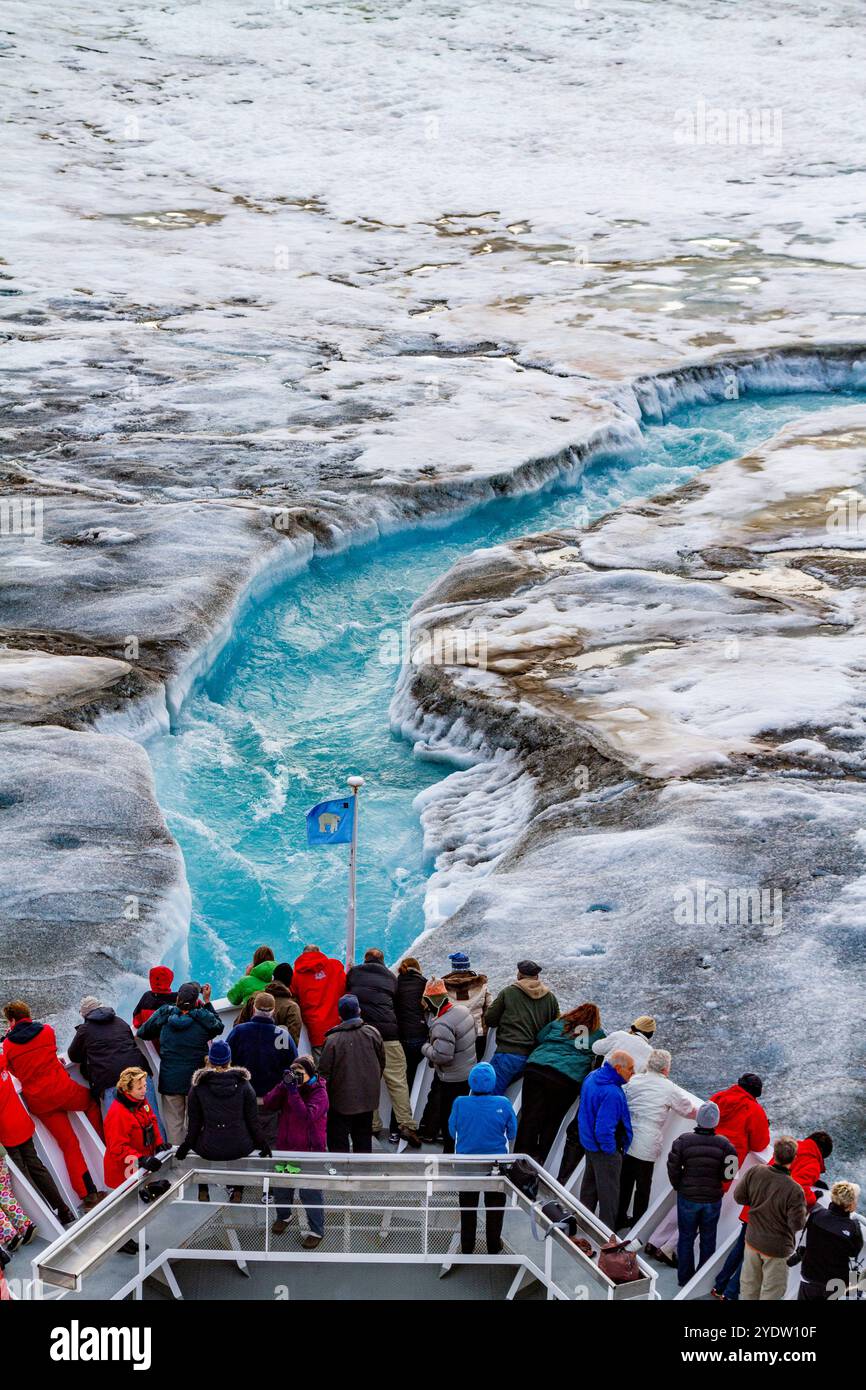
{"points": [[298, 700]]}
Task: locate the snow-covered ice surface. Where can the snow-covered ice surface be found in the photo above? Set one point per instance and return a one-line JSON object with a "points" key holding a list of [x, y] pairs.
{"points": [[279, 277], [682, 687], [84, 854]]}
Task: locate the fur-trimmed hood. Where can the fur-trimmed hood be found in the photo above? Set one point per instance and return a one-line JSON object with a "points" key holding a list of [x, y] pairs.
{"points": [[204, 1073]]}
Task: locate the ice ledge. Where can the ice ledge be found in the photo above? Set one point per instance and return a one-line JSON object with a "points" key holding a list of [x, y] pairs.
{"points": [[159, 586], [679, 692]]}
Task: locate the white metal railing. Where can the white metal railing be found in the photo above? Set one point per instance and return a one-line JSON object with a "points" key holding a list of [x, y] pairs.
{"points": [[398, 1209], [658, 1223]]}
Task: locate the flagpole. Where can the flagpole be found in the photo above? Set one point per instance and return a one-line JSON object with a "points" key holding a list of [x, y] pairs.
{"points": [[356, 783]]}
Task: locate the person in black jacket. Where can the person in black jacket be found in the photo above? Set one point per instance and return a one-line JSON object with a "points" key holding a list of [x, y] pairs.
{"points": [[375, 988], [223, 1116], [411, 1022], [833, 1238], [104, 1046], [701, 1167], [352, 1061]]}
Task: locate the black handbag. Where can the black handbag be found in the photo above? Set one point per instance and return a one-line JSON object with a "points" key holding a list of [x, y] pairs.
{"points": [[151, 1190], [524, 1177], [559, 1218]]}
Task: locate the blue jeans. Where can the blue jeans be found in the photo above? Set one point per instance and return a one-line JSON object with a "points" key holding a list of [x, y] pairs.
{"points": [[509, 1066], [695, 1218], [313, 1202], [727, 1283]]}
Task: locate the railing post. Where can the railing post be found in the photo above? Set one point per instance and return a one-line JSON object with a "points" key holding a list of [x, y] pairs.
{"points": [[142, 1264], [266, 1192], [425, 1232]]}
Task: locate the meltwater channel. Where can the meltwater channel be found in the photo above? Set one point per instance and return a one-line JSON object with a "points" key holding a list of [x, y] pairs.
{"points": [[298, 700]]}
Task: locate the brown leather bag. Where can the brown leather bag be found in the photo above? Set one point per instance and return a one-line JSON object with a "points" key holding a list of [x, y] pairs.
{"points": [[618, 1262]]}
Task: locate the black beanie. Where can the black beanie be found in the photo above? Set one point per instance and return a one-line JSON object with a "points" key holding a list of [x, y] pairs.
{"points": [[751, 1083], [284, 973]]}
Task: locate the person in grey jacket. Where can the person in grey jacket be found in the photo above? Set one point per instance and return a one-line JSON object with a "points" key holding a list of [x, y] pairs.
{"points": [[352, 1061], [450, 1050]]}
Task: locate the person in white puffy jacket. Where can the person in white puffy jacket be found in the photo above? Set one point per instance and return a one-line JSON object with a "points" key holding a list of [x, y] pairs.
{"points": [[651, 1097], [636, 1041]]}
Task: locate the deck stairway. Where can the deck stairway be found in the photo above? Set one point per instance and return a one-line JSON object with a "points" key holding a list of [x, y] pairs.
{"points": [[385, 1212]]}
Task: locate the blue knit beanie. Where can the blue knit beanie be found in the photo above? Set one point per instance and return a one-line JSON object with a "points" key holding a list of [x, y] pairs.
{"points": [[220, 1054], [348, 1007]]}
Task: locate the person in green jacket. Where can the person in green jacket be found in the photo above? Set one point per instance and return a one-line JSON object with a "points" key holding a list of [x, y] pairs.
{"points": [[555, 1072], [518, 1013], [257, 977]]}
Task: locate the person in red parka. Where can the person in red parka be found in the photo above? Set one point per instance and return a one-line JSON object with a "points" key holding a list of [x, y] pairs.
{"points": [[807, 1166], [161, 980], [741, 1118], [132, 1133], [16, 1137], [317, 984], [49, 1091]]}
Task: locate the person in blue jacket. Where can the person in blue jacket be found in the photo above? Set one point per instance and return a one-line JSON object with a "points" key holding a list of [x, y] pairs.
{"points": [[605, 1133], [267, 1050], [482, 1123]]}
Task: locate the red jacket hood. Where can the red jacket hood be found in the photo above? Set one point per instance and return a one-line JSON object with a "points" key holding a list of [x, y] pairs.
{"points": [[743, 1120], [808, 1149], [313, 960], [317, 984], [161, 979], [737, 1100]]}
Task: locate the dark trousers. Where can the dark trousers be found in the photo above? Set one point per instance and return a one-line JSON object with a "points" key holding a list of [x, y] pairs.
{"points": [[600, 1186], [812, 1293], [313, 1202], [637, 1178], [695, 1219], [547, 1094], [573, 1151], [480, 1046], [448, 1093], [494, 1215], [414, 1057], [25, 1157], [429, 1123], [727, 1283], [358, 1128]]}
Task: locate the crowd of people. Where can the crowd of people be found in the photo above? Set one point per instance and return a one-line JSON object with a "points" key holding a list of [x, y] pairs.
{"points": [[224, 1098]]}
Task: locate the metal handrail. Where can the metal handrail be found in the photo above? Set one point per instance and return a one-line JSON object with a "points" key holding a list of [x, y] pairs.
{"points": [[76, 1255]]}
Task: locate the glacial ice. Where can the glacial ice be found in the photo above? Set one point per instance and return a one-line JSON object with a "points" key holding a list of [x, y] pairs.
{"points": [[674, 641], [285, 277]]}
